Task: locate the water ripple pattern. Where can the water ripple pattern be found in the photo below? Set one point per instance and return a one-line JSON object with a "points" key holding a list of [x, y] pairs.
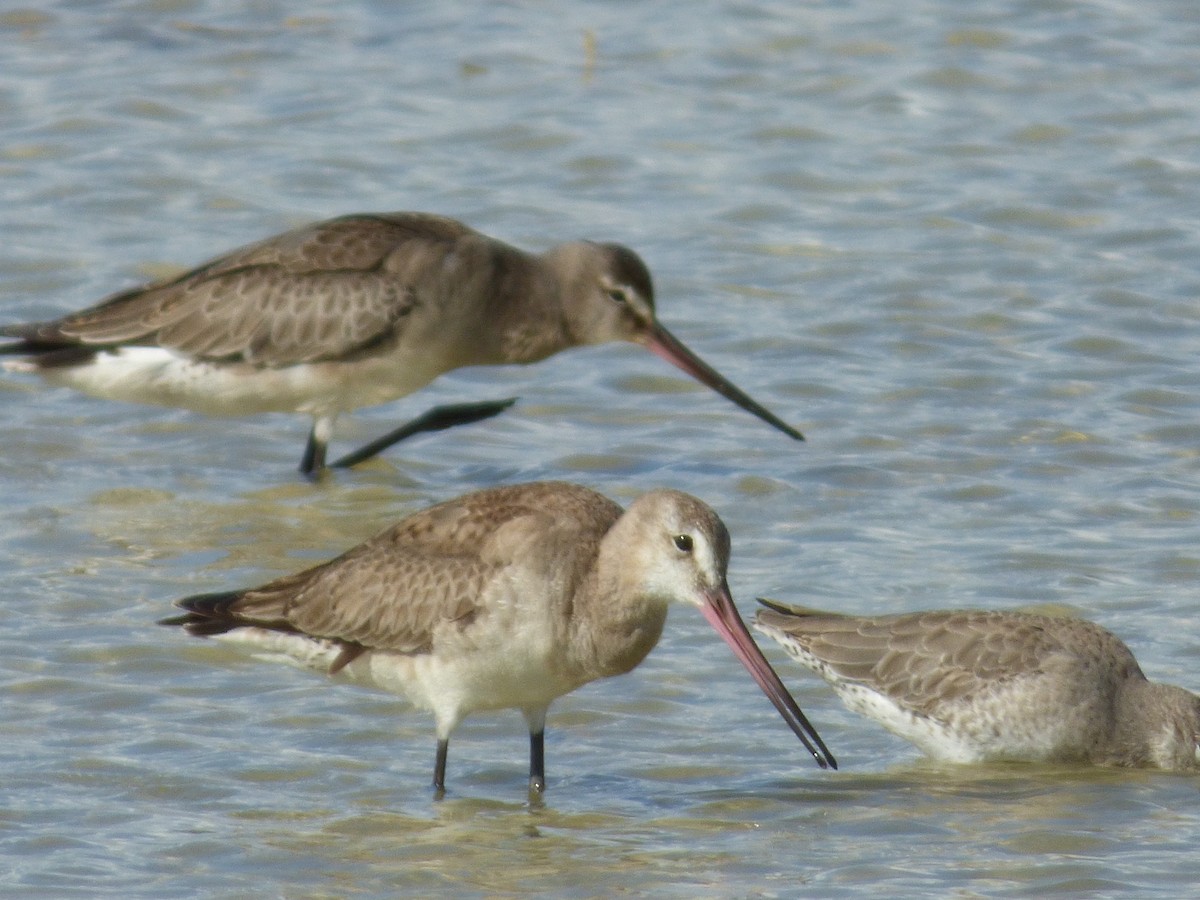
{"points": [[955, 244]]}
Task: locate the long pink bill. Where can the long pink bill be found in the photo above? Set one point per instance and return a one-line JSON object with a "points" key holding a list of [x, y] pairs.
{"points": [[723, 616], [674, 351]]}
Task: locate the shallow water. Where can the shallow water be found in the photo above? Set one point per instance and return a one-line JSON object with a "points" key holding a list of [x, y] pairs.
{"points": [[956, 247]]}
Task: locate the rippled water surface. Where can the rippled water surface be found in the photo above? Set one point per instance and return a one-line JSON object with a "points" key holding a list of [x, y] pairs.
{"points": [[954, 243]]}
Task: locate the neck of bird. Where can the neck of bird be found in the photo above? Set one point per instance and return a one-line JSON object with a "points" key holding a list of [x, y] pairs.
{"points": [[624, 620], [527, 313], [1156, 725]]}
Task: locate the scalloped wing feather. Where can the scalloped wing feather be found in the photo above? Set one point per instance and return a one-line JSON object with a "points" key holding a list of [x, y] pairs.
{"points": [[324, 291]]}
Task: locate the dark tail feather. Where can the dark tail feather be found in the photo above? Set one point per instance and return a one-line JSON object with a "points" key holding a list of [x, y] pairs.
{"points": [[30, 339], [50, 356], [779, 607], [46, 346], [207, 614]]}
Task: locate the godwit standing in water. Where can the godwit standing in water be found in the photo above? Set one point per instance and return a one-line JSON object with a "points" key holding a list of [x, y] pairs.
{"points": [[502, 599], [353, 312], [972, 686]]}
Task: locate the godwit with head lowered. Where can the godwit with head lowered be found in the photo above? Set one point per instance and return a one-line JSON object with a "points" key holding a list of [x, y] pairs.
{"points": [[974, 686], [353, 312], [502, 599]]}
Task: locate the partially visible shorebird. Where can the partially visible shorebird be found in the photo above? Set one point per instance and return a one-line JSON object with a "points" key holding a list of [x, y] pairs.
{"points": [[352, 312], [505, 598], [974, 686]]}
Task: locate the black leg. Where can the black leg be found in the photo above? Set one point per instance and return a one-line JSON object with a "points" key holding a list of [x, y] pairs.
{"points": [[313, 460], [537, 762], [439, 767], [435, 420]]}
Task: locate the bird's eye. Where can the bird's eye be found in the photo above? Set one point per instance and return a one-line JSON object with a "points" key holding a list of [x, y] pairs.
{"points": [[683, 543], [617, 295]]}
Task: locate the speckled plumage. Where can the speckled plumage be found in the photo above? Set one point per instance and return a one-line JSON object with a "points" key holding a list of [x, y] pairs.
{"points": [[504, 598], [351, 312], [973, 685]]}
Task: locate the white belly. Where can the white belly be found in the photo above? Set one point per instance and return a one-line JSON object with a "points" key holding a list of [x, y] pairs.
{"points": [[450, 684], [166, 378]]}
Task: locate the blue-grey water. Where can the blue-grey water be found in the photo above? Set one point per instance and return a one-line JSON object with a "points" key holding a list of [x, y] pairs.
{"points": [[955, 243]]}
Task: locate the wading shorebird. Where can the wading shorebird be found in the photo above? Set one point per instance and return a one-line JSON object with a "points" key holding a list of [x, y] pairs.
{"points": [[974, 686], [506, 598], [352, 312]]}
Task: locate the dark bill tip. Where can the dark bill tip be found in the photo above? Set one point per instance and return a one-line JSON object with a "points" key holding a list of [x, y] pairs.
{"points": [[724, 617], [664, 344]]}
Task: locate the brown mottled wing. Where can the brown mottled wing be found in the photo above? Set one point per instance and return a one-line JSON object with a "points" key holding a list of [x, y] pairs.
{"points": [[393, 591], [928, 658], [324, 291]]}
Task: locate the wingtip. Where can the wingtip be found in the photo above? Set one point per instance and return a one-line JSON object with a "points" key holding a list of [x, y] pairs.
{"points": [[775, 605], [204, 614], [793, 610]]}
